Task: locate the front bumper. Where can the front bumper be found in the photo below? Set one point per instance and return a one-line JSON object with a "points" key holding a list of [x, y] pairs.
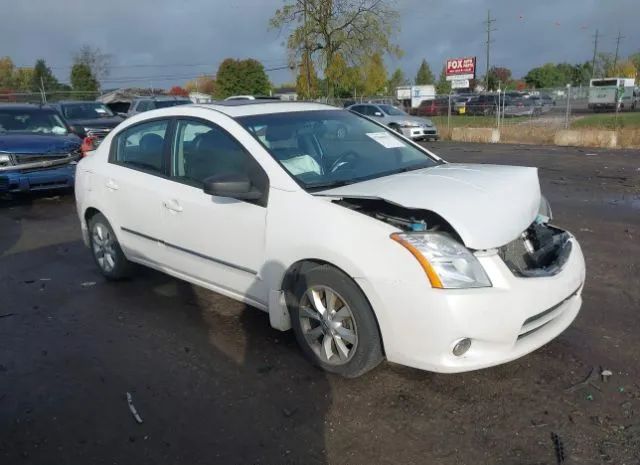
{"points": [[420, 325], [21, 180], [420, 132]]}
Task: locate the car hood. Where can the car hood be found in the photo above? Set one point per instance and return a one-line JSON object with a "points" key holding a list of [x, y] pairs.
{"points": [[96, 122], [30, 143], [487, 205]]}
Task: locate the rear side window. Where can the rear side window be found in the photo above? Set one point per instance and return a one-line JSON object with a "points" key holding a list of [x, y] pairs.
{"points": [[142, 146]]}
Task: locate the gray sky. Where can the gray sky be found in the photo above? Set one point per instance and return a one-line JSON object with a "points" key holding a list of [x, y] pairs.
{"points": [[166, 42]]}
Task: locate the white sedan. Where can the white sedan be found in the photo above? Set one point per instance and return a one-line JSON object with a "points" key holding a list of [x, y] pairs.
{"points": [[364, 243]]}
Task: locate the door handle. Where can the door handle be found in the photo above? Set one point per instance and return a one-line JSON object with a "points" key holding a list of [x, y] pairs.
{"points": [[172, 205], [111, 184]]}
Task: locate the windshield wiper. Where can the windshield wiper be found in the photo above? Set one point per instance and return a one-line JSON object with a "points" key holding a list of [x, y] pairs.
{"points": [[329, 185]]}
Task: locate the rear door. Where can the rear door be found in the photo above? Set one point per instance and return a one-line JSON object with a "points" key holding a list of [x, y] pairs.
{"points": [[135, 182]]}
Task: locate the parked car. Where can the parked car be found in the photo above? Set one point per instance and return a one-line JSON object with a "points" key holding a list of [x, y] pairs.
{"points": [[482, 105], [543, 102], [434, 107], [366, 246], [409, 126], [37, 149], [142, 104], [88, 119]]}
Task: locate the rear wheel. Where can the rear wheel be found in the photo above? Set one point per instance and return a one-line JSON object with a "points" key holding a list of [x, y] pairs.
{"points": [[334, 323], [106, 250]]}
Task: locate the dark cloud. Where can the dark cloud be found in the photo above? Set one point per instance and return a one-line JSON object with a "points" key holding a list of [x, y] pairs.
{"points": [[141, 34]]}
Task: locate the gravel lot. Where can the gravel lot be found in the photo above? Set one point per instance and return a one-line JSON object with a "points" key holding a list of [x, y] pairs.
{"points": [[214, 383]]}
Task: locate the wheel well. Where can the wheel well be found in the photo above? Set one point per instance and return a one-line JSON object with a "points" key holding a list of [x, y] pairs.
{"points": [[294, 271], [90, 213]]}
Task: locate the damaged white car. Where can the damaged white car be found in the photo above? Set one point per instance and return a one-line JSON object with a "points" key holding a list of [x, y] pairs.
{"points": [[367, 245]]}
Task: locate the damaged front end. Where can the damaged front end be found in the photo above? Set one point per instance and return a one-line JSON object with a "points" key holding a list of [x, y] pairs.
{"points": [[540, 250]]}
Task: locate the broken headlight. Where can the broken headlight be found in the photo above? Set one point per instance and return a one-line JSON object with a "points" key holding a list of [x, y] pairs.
{"points": [[447, 263]]}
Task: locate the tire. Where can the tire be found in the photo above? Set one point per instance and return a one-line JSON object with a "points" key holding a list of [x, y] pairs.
{"points": [[349, 332], [106, 250]]}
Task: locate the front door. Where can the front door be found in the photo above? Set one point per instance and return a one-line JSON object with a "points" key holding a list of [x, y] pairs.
{"points": [[217, 240]]}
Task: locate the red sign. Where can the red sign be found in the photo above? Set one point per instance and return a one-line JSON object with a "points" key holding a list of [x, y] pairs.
{"points": [[461, 68]]}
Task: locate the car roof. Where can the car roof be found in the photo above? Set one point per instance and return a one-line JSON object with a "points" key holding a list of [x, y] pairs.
{"points": [[25, 106], [74, 102], [161, 97], [239, 108]]}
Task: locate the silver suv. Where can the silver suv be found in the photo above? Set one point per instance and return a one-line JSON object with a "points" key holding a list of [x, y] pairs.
{"points": [[143, 104], [413, 127]]}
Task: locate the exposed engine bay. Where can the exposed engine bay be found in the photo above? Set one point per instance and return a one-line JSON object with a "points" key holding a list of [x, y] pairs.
{"points": [[541, 250]]}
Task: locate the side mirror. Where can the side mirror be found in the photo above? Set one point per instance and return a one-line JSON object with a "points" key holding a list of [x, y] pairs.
{"points": [[231, 185], [377, 113]]}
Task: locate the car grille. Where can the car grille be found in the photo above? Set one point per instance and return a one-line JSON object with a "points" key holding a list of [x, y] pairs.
{"points": [[21, 159]]}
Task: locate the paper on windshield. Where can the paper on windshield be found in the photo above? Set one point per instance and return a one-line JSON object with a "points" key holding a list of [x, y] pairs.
{"points": [[100, 110], [386, 140]]}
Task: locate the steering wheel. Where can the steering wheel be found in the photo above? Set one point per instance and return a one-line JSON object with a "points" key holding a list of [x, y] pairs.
{"points": [[345, 160]]}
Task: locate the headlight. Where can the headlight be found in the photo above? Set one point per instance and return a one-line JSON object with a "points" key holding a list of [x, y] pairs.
{"points": [[5, 160], [428, 123], [447, 263]]}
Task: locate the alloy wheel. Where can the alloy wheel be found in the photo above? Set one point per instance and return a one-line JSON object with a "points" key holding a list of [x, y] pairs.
{"points": [[103, 244], [328, 325]]}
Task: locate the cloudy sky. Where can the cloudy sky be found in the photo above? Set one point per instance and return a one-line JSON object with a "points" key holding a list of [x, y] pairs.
{"points": [[166, 42]]}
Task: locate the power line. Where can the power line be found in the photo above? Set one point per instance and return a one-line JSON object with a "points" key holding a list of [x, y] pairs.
{"points": [[490, 29]]}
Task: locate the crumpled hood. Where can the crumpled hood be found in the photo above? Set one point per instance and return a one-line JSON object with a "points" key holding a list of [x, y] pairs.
{"points": [[488, 205], [32, 143]]}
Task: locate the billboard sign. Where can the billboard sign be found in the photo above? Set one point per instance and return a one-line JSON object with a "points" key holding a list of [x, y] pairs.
{"points": [[460, 68], [460, 84]]}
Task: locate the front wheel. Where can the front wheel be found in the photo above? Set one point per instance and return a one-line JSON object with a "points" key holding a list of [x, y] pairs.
{"points": [[334, 323], [106, 250]]}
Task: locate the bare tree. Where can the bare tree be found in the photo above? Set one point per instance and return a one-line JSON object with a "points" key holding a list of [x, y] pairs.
{"points": [[355, 29], [95, 59]]}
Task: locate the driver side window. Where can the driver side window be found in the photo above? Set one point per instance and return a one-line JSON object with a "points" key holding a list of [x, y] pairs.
{"points": [[201, 150]]}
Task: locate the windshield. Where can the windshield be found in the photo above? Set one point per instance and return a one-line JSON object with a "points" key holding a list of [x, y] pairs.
{"points": [[32, 121], [170, 103], [86, 111], [329, 148], [391, 110]]}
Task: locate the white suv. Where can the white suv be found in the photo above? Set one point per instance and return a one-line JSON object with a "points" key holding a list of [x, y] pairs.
{"points": [[363, 242]]}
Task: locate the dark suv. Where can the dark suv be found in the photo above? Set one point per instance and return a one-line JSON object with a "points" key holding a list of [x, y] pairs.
{"points": [[88, 118], [37, 149]]}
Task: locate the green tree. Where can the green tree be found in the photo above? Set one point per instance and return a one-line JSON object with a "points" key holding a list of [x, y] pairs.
{"points": [[343, 80], [325, 28], [635, 59], [307, 79], [375, 75], [547, 75], [95, 59], [396, 80], [443, 86], [82, 79], [239, 77], [424, 75], [43, 77]]}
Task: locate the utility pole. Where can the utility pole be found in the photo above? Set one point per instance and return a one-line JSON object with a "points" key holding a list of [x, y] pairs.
{"points": [[595, 52], [618, 40], [490, 29], [306, 51]]}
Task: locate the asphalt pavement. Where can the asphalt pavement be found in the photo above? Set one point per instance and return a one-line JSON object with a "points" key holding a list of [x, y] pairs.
{"points": [[213, 383]]}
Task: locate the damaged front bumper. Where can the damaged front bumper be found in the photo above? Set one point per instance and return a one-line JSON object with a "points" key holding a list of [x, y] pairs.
{"points": [[44, 174], [518, 314]]}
